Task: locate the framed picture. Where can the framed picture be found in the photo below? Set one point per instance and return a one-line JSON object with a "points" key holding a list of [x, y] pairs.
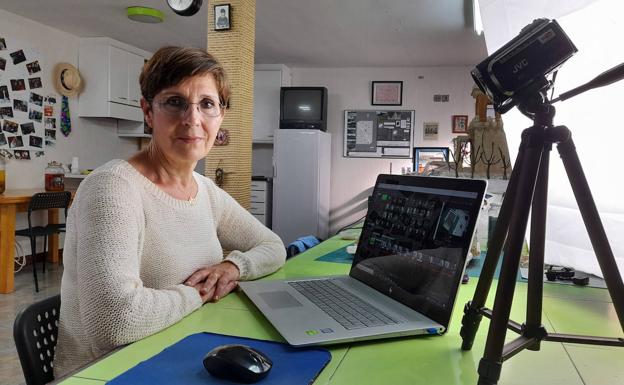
{"points": [[387, 93], [424, 155], [430, 130], [222, 20], [460, 124]]}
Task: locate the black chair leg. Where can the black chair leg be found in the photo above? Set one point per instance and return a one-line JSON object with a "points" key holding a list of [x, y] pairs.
{"points": [[33, 250], [45, 253]]}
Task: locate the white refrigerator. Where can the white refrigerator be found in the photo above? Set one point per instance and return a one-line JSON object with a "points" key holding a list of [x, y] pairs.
{"points": [[301, 174]]}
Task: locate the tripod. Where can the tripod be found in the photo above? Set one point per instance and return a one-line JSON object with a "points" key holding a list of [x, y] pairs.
{"points": [[528, 189]]}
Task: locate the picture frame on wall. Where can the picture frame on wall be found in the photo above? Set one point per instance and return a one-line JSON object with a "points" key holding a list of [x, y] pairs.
{"points": [[424, 155], [387, 93], [430, 130], [460, 124], [222, 18]]}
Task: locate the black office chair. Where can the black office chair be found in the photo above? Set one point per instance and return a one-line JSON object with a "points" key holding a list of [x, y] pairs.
{"points": [[35, 332], [44, 201]]}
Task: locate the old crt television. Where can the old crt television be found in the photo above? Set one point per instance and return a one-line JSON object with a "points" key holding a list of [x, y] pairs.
{"points": [[303, 108]]}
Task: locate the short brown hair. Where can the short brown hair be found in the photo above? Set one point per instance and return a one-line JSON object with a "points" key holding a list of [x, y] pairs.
{"points": [[171, 65]]}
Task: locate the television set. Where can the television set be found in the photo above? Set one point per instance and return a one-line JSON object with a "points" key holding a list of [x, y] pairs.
{"points": [[303, 108]]}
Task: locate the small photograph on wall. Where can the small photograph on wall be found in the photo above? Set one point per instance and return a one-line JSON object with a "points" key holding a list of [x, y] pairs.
{"points": [[20, 105], [2, 64], [34, 83], [3, 140], [36, 141], [50, 123], [22, 154], [27, 128], [430, 130], [6, 112], [36, 99], [2, 44], [39, 154], [33, 67], [35, 115], [4, 94], [10, 127], [18, 57], [15, 141], [18, 84], [50, 135]]}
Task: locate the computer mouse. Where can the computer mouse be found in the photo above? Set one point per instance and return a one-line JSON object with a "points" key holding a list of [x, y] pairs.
{"points": [[238, 363]]}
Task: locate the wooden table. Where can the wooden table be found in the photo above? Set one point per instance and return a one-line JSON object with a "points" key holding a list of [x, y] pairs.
{"points": [[11, 202]]}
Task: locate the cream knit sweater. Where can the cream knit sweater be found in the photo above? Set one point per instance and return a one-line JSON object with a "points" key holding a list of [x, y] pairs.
{"points": [[128, 248]]}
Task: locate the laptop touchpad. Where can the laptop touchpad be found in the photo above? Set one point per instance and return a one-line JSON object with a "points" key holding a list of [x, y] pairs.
{"points": [[279, 299]]}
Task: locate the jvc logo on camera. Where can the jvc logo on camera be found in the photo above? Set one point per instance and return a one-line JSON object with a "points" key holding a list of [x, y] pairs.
{"points": [[520, 65]]}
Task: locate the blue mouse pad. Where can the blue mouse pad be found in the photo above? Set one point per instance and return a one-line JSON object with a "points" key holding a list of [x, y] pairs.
{"points": [[337, 256], [182, 362]]}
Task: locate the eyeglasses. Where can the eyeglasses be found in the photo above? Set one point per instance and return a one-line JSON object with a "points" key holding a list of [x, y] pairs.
{"points": [[177, 106]]}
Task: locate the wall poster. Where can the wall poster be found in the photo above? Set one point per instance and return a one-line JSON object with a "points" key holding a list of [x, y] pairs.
{"points": [[378, 134]]}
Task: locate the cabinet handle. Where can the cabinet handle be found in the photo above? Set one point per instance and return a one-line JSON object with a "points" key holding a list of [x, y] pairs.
{"points": [[121, 97]]}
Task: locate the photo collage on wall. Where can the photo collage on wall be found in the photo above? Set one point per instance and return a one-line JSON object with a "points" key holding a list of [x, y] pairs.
{"points": [[28, 113]]}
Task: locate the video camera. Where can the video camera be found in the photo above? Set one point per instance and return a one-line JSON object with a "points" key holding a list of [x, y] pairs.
{"points": [[522, 64]]}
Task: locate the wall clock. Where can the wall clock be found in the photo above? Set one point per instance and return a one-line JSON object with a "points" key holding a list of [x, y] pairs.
{"points": [[185, 7]]}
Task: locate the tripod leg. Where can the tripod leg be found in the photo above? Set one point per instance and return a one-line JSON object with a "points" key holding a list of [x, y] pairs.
{"points": [[472, 315], [491, 363], [591, 218], [533, 327]]}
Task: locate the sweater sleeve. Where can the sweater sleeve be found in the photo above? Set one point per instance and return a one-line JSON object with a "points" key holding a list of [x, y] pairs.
{"points": [[256, 250], [115, 307]]}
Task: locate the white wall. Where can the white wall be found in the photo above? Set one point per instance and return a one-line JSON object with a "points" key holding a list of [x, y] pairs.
{"points": [[94, 141], [350, 88]]}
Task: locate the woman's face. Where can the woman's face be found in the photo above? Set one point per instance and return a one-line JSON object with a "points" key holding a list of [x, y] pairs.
{"points": [[185, 136]]}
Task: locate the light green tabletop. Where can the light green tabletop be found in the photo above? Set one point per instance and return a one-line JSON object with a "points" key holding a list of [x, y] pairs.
{"points": [[413, 360]]}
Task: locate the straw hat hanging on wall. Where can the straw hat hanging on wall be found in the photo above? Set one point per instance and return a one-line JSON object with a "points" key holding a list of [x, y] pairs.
{"points": [[67, 79]]}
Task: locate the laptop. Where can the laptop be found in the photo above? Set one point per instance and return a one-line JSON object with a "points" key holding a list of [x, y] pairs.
{"points": [[405, 273]]}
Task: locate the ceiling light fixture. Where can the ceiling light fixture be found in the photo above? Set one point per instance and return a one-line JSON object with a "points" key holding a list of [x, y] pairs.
{"points": [[145, 15]]}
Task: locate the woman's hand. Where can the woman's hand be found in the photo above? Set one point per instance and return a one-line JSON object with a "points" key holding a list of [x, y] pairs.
{"points": [[215, 282]]}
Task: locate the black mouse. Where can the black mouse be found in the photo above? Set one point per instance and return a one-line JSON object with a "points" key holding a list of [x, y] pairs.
{"points": [[237, 363]]}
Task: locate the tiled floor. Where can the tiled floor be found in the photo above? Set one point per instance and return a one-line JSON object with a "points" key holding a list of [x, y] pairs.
{"points": [[10, 304], [566, 310]]}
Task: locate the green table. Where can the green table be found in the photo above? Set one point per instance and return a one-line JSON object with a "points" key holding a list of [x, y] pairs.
{"points": [[413, 360]]}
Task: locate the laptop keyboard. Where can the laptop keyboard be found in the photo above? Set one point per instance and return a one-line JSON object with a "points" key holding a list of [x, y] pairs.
{"points": [[347, 309]]}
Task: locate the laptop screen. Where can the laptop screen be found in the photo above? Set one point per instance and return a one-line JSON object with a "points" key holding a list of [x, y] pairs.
{"points": [[415, 240]]}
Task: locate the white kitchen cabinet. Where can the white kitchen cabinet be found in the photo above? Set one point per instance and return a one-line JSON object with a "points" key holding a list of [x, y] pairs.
{"points": [[268, 79], [110, 70]]}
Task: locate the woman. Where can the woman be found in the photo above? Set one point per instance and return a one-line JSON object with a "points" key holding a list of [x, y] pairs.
{"points": [[145, 236]]}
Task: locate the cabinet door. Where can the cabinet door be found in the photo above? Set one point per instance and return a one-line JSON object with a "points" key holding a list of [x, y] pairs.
{"points": [[118, 75], [267, 86], [135, 65]]}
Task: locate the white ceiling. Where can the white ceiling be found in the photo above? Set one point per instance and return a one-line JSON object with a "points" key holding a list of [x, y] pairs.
{"points": [[305, 33]]}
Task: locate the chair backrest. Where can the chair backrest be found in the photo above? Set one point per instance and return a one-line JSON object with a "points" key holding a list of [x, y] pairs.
{"points": [[35, 333], [49, 200]]}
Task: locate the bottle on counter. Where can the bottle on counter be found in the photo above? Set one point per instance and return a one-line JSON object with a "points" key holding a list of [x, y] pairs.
{"points": [[54, 177]]}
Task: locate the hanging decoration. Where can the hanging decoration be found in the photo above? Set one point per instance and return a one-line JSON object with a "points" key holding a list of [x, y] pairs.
{"points": [[65, 118]]}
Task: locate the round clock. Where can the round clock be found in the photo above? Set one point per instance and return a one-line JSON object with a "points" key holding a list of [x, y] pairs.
{"points": [[185, 7]]}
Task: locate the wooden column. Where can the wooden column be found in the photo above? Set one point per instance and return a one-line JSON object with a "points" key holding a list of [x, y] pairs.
{"points": [[234, 48]]}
